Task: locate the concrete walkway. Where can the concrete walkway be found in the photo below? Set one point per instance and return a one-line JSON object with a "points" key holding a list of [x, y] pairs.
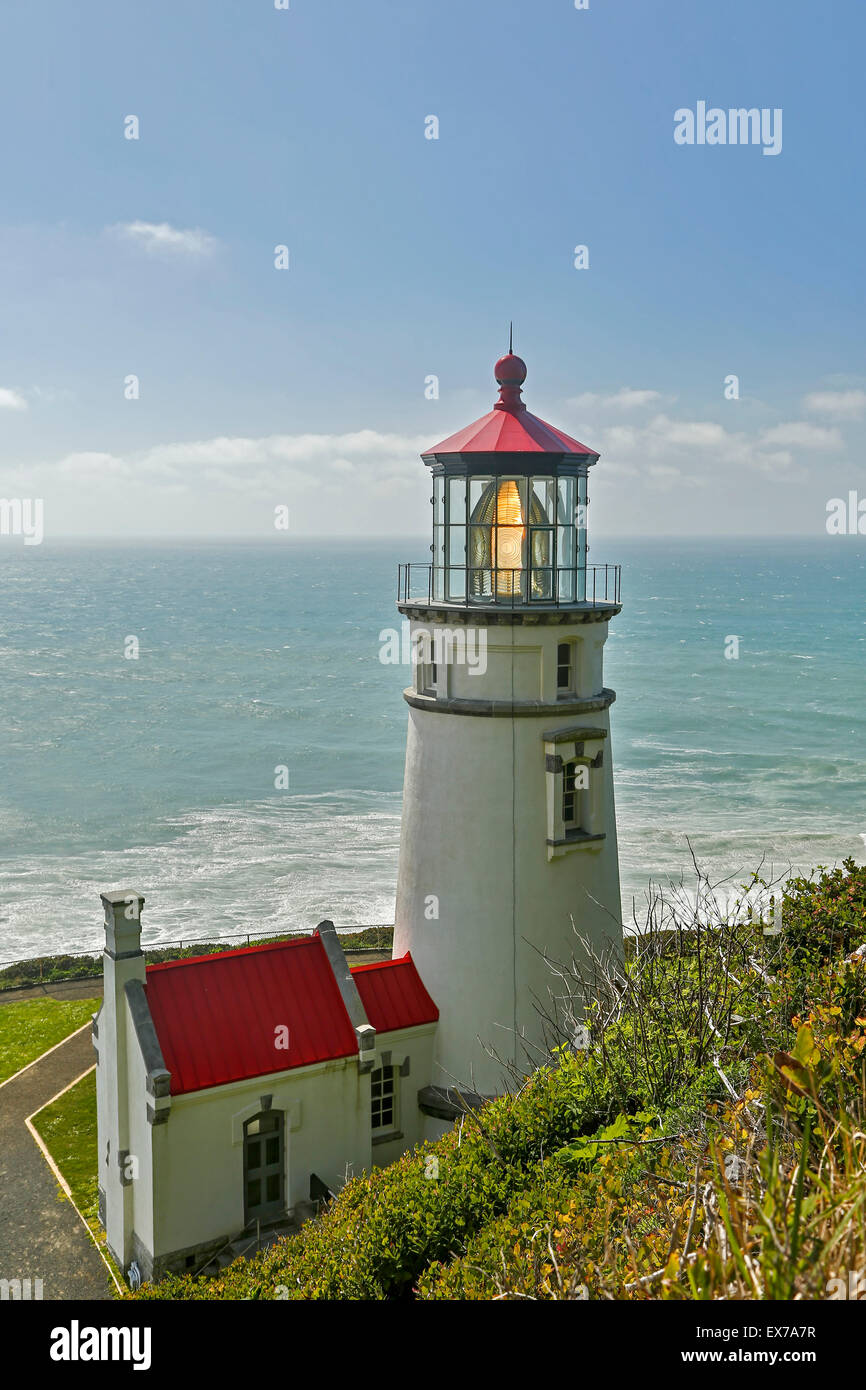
{"points": [[56, 989], [41, 1234]]}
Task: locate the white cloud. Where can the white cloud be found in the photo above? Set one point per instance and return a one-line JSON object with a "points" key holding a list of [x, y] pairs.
{"points": [[842, 405], [778, 465], [692, 434], [51, 394], [92, 466], [11, 400], [161, 237], [799, 434], [261, 465], [624, 399], [689, 452]]}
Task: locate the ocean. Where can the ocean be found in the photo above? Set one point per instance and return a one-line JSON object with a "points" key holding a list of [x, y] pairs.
{"points": [[158, 772]]}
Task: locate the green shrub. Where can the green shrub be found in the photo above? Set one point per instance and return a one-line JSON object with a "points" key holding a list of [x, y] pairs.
{"points": [[607, 1175], [384, 1228], [824, 915]]}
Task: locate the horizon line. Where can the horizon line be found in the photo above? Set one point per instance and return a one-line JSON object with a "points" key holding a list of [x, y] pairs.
{"points": [[270, 539]]}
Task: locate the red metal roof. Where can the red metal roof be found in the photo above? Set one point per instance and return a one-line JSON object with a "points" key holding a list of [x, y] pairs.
{"points": [[217, 1016], [393, 994], [509, 428], [510, 432]]}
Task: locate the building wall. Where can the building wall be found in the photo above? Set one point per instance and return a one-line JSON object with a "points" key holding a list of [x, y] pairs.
{"points": [[474, 840], [198, 1177], [198, 1155], [410, 1050], [521, 660]]}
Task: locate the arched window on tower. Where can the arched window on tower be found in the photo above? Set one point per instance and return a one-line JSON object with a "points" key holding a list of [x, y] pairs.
{"points": [[566, 670]]}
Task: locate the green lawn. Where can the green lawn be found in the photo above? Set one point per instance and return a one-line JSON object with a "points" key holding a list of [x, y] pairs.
{"points": [[30, 1027], [68, 1127]]}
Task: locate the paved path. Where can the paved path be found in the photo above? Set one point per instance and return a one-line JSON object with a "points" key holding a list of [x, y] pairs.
{"points": [[56, 989], [41, 1235]]}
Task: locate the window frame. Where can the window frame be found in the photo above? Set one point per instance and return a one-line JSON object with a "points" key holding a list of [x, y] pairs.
{"points": [[568, 691], [428, 678], [388, 1076], [573, 823]]}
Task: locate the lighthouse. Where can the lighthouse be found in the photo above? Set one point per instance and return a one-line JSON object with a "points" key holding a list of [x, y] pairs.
{"points": [[508, 850]]}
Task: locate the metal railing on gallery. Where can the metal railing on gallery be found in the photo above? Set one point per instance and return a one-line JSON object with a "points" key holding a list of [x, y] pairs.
{"points": [[460, 586]]}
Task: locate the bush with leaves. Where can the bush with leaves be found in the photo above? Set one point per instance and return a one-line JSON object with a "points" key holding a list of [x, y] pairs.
{"points": [[697, 1132]]}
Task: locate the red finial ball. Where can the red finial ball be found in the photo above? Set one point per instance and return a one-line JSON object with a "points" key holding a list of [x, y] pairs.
{"points": [[510, 370]]}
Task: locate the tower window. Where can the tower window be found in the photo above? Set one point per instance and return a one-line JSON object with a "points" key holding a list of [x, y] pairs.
{"points": [[428, 674], [575, 780], [383, 1098], [564, 668]]}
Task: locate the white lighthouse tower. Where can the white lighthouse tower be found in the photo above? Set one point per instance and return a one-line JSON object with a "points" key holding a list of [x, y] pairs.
{"points": [[508, 839]]}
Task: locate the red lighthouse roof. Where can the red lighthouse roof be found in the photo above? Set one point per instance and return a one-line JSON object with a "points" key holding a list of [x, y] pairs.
{"points": [[509, 428]]}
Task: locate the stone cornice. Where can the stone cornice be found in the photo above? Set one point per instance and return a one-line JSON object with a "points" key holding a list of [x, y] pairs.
{"points": [[491, 617], [508, 709]]}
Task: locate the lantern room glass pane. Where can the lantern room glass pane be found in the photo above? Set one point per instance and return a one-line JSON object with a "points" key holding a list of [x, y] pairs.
{"points": [[497, 535], [477, 488], [509, 535], [581, 510], [481, 583], [541, 547], [542, 584], [582, 545], [566, 547], [438, 500], [457, 545], [438, 553], [480, 554], [456, 583], [567, 501], [543, 556], [565, 581], [457, 501], [544, 498]]}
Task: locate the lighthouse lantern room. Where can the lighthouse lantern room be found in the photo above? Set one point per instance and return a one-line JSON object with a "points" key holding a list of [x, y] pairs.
{"points": [[508, 843]]}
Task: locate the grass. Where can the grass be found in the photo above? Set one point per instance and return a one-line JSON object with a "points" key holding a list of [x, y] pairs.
{"points": [[30, 1027], [67, 1127]]}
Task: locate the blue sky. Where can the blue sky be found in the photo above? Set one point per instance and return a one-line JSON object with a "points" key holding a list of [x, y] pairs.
{"points": [[408, 256]]}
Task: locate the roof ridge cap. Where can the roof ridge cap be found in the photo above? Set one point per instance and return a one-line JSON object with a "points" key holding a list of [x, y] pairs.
{"points": [[231, 951], [350, 996]]}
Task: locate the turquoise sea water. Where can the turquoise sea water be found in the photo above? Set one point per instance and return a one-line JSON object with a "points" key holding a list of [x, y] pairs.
{"points": [[158, 773]]}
